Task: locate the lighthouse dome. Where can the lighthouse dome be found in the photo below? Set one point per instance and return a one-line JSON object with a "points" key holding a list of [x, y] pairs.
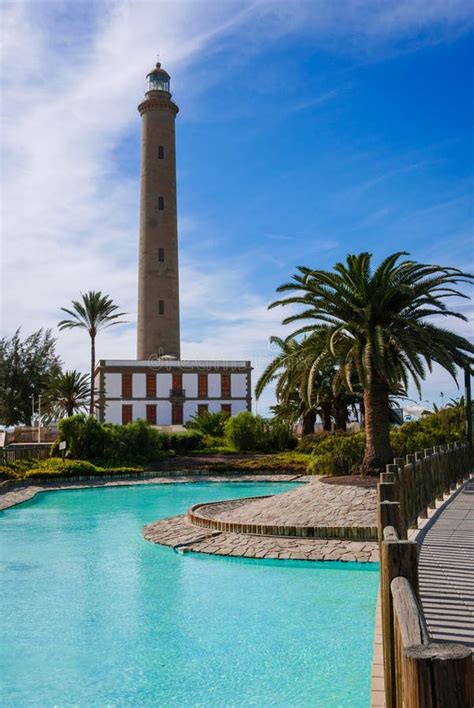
{"points": [[158, 79]]}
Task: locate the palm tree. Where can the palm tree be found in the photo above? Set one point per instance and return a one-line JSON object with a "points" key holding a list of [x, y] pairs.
{"points": [[95, 312], [68, 393], [208, 423], [291, 369], [456, 402], [375, 325], [287, 370]]}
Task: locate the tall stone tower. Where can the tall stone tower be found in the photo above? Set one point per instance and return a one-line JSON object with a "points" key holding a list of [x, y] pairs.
{"points": [[158, 278]]}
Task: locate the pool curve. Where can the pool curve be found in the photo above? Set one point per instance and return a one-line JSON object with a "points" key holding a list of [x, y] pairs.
{"points": [[92, 614]]}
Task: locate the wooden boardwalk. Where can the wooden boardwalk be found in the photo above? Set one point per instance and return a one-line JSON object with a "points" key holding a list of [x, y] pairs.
{"points": [[446, 570]]}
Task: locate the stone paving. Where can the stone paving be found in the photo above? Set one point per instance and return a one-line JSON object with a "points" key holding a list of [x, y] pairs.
{"points": [[336, 509], [314, 504], [183, 536]]}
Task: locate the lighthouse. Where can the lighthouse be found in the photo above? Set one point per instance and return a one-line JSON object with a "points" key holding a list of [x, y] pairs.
{"points": [[158, 277], [158, 386]]}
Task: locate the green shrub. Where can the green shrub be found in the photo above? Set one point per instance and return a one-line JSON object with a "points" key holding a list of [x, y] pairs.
{"points": [[135, 442], [437, 428], [182, 442], [337, 454], [55, 467], [278, 436], [243, 432], [7, 472], [87, 439], [250, 433], [211, 442], [323, 464], [309, 443]]}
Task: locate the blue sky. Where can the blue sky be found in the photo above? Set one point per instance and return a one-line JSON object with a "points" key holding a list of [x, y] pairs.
{"points": [[307, 130]]}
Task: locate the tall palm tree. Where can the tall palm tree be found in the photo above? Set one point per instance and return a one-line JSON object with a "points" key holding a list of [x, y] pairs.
{"points": [[68, 393], [375, 325], [94, 313]]}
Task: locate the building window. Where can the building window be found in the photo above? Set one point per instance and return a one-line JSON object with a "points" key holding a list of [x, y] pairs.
{"points": [[127, 414], [161, 203], [177, 385], [177, 414], [161, 307], [151, 415], [161, 255], [225, 386], [127, 385], [161, 152], [151, 385], [202, 408], [226, 408], [202, 386]]}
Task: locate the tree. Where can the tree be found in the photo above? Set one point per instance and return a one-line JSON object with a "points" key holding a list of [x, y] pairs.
{"points": [[455, 402], [94, 313], [208, 423], [26, 368], [68, 393], [287, 370], [375, 324], [291, 369]]}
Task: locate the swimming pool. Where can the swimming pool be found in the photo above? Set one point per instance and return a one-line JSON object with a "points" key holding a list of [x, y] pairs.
{"points": [[93, 615]]}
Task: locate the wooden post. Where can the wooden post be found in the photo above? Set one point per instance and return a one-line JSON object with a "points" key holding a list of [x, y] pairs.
{"points": [[389, 515], [397, 558], [437, 676], [391, 474]]}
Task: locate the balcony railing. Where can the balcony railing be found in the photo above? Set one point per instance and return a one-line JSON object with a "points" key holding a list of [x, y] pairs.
{"points": [[177, 393]]}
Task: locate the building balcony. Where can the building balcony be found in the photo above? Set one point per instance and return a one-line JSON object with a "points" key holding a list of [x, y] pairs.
{"points": [[177, 395]]}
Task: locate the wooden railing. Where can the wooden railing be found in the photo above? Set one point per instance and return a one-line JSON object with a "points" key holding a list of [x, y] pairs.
{"points": [[418, 673]]}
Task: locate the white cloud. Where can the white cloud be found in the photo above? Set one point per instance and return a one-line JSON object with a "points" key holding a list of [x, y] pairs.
{"points": [[71, 82]]}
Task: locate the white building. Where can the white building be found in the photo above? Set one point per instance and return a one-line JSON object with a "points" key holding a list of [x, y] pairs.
{"points": [[167, 392]]}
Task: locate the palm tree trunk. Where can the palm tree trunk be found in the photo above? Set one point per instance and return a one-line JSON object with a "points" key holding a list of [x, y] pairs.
{"points": [[341, 416], [326, 409], [91, 405], [309, 419], [378, 451]]}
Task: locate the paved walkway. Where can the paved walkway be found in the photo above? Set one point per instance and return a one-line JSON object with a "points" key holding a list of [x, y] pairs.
{"points": [[446, 569], [316, 521], [179, 533], [312, 504]]}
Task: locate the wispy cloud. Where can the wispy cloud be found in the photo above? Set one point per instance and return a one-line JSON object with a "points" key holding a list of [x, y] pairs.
{"points": [[72, 76]]}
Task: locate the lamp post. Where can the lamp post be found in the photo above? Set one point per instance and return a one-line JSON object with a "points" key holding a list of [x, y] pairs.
{"points": [[468, 404], [39, 418], [32, 409]]}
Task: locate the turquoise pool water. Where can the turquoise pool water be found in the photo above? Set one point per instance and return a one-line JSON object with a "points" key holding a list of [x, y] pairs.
{"points": [[93, 615]]}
